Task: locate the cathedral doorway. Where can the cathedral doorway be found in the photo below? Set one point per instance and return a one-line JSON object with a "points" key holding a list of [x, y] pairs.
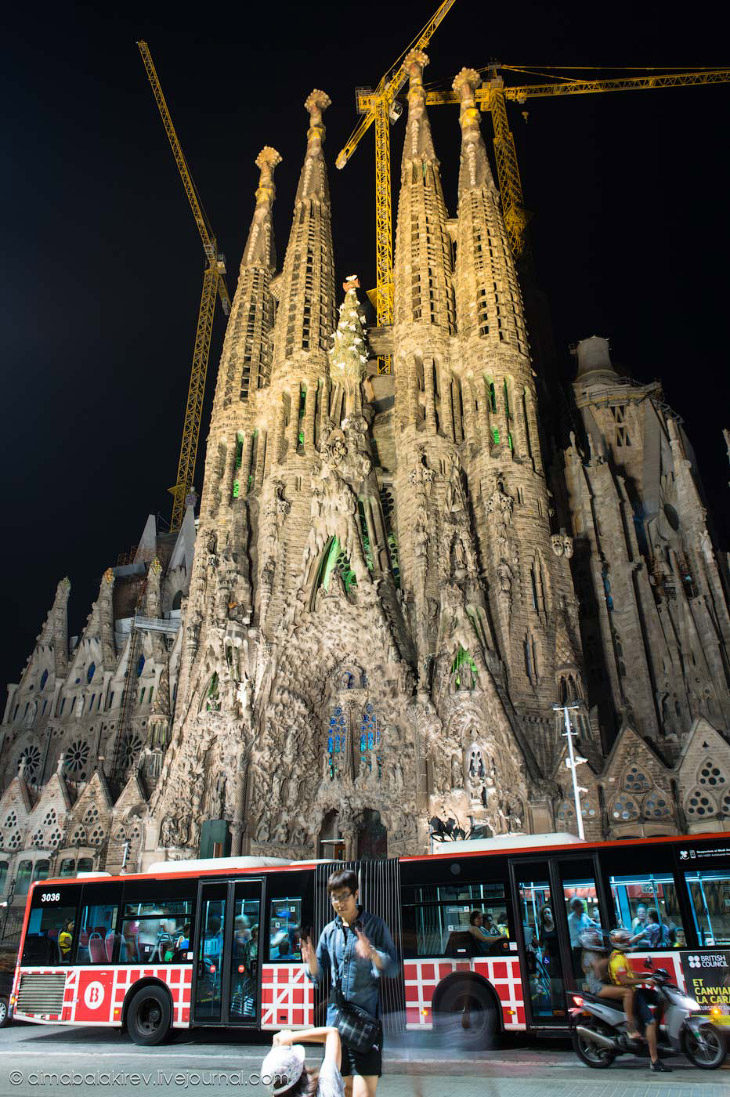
{"points": [[372, 837], [331, 843]]}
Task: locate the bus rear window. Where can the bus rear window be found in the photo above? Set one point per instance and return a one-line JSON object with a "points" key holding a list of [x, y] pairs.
{"points": [[49, 935]]}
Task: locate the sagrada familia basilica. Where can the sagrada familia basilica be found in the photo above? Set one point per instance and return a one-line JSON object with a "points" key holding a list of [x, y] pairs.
{"points": [[392, 580]]}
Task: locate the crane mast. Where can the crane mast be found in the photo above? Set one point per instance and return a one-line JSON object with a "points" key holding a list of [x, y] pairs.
{"points": [[214, 287]]}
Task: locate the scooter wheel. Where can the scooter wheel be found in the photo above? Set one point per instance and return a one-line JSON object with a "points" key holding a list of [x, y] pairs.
{"points": [[705, 1047], [593, 1055]]}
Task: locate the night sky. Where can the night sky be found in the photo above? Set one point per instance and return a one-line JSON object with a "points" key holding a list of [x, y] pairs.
{"points": [[102, 267]]}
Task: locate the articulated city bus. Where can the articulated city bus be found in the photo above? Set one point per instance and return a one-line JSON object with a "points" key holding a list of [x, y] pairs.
{"points": [[218, 943]]}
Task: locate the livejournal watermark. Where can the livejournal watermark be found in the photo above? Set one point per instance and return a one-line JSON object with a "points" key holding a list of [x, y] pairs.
{"points": [[186, 1079]]}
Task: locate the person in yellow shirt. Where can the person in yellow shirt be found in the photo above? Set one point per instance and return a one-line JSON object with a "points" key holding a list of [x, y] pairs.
{"points": [[621, 984], [66, 939]]}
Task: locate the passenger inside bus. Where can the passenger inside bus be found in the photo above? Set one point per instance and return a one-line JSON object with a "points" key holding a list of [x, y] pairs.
{"points": [[485, 936]]}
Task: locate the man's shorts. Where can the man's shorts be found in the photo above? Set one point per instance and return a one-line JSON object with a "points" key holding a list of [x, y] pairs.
{"points": [[362, 1062]]}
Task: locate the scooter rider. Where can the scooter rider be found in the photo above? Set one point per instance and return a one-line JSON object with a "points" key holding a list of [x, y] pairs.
{"points": [[622, 979]]}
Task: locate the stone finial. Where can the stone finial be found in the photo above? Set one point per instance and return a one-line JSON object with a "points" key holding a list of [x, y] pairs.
{"points": [[156, 567], [351, 282], [415, 62], [266, 161], [465, 84], [109, 576], [316, 104]]}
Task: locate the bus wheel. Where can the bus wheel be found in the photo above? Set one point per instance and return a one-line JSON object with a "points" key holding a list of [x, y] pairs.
{"points": [[465, 1015], [4, 1014], [149, 1016]]}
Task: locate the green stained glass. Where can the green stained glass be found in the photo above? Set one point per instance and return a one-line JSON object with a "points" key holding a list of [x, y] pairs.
{"points": [[236, 489], [495, 435]]}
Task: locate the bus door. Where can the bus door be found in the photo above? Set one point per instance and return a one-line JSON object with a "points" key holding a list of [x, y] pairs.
{"points": [[582, 907], [226, 988], [541, 955]]}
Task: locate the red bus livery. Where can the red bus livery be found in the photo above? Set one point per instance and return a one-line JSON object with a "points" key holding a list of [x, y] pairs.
{"points": [[487, 932]]}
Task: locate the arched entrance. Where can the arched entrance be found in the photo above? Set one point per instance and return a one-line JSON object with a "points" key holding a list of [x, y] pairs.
{"points": [[331, 843], [372, 837]]}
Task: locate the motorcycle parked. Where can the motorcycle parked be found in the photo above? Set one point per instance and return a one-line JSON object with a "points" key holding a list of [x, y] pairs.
{"points": [[599, 1028]]}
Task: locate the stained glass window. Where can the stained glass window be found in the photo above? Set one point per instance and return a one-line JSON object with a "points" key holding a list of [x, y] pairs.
{"points": [[337, 741], [370, 743]]}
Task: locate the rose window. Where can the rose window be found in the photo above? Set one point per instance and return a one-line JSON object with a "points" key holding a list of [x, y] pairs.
{"points": [[91, 814], [77, 757], [32, 758], [625, 808], [566, 815], [711, 775], [37, 839], [78, 838], [55, 838], [97, 836], [700, 804], [656, 806], [13, 842], [50, 818], [131, 747], [636, 781], [588, 809], [11, 820]]}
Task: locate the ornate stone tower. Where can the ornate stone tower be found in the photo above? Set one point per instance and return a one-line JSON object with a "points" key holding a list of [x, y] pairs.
{"points": [[656, 639], [380, 615]]}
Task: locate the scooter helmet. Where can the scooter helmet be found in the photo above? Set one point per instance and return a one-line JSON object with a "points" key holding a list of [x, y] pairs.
{"points": [[619, 938]]}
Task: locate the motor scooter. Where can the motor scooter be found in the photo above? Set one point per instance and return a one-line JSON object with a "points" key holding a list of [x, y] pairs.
{"points": [[599, 1027]]}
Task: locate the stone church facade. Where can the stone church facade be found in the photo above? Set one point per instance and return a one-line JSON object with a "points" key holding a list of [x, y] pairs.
{"points": [[386, 592]]}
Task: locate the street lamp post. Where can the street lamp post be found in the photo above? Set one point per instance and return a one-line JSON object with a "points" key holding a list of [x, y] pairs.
{"points": [[572, 762]]}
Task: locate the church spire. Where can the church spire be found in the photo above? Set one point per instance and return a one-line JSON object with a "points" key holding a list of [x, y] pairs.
{"points": [[474, 169], [306, 316], [246, 358], [488, 299], [422, 279]]}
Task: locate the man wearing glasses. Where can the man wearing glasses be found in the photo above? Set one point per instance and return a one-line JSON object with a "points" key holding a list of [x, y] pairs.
{"points": [[354, 951]]}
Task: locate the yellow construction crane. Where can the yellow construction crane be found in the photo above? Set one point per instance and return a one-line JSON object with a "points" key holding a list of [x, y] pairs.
{"points": [[383, 109], [492, 96], [214, 286]]}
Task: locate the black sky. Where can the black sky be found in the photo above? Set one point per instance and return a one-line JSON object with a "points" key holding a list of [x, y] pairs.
{"points": [[102, 268]]}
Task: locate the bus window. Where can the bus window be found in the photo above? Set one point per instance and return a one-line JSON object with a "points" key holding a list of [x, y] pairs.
{"points": [[710, 900], [284, 921], [542, 949], [438, 920], [647, 905], [97, 934], [47, 926], [157, 931], [580, 899]]}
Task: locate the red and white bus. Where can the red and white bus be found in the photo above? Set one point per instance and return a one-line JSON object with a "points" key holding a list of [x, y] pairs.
{"points": [[216, 943]]}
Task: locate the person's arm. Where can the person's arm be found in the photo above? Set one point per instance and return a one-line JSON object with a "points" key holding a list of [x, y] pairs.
{"points": [[380, 951], [330, 1037], [318, 963]]}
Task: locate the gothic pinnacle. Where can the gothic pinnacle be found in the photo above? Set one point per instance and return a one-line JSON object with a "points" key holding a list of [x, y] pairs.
{"points": [[316, 104], [475, 170], [465, 84], [259, 251], [418, 143], [266, 161]]}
